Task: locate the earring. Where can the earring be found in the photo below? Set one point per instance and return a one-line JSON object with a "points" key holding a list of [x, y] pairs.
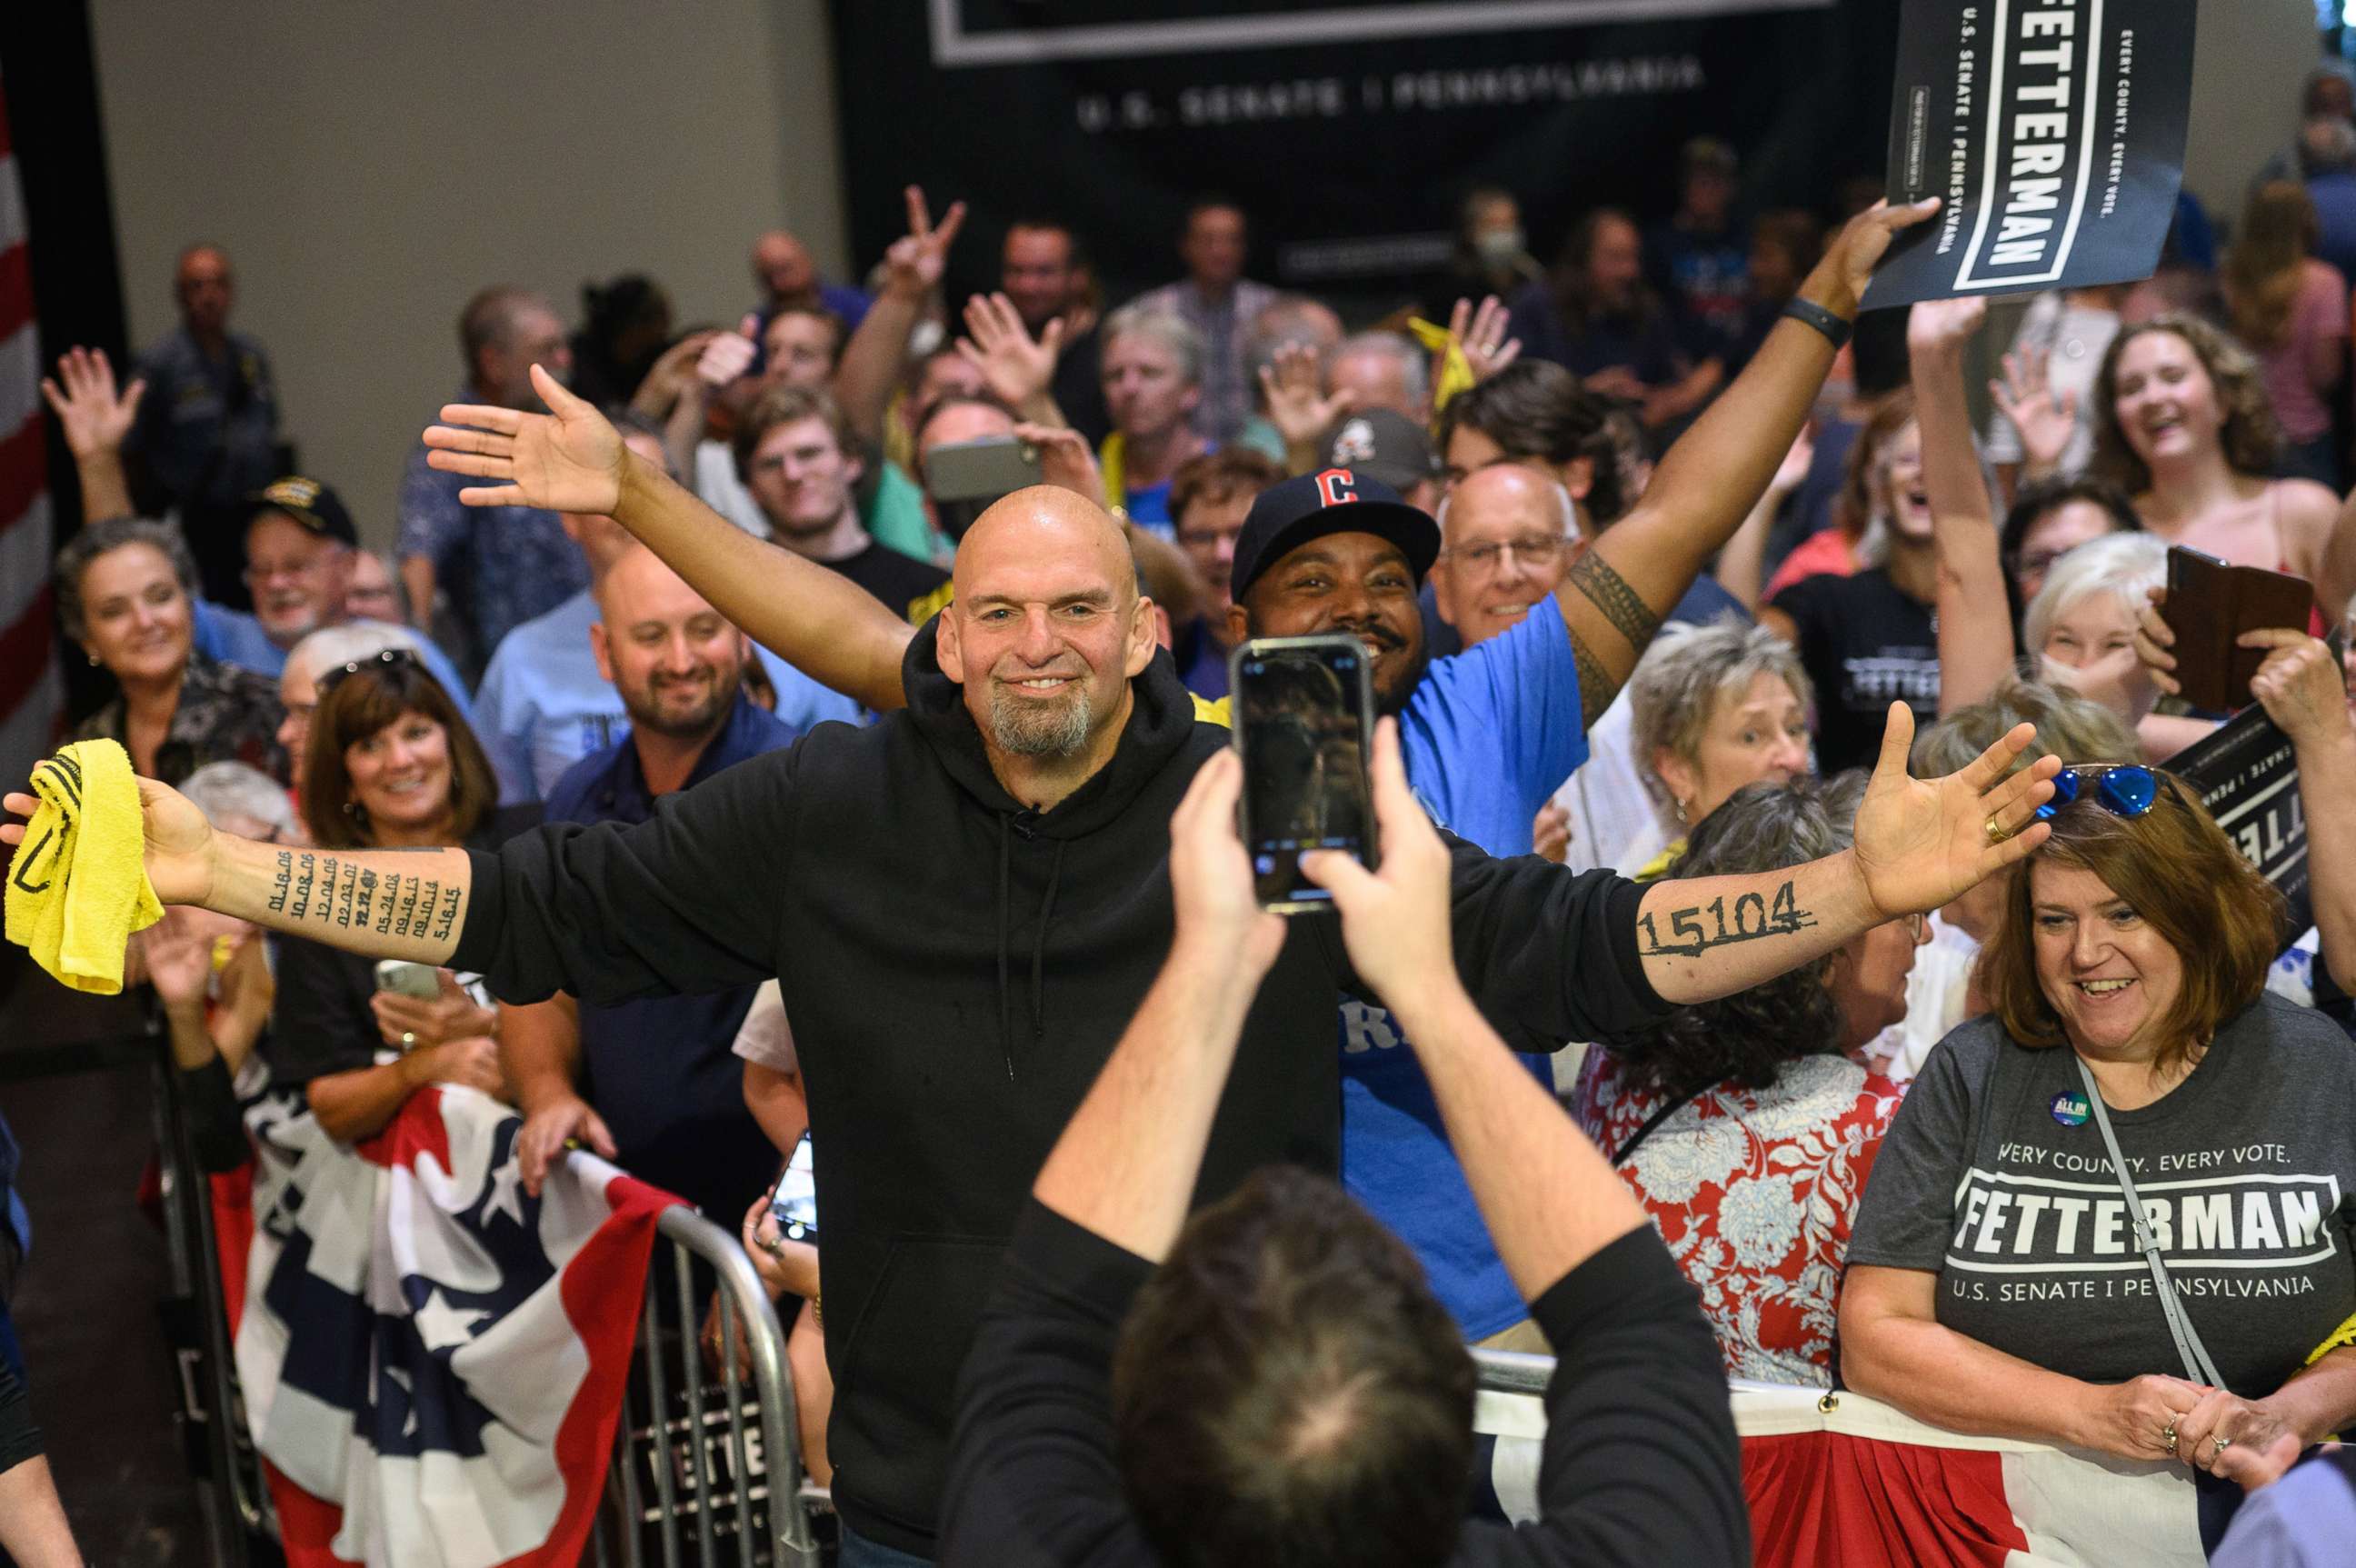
{"points": [[91, 657], [1681, 811]]}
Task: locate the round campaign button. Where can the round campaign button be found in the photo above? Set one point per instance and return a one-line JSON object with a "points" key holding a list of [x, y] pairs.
{"points": [[2070, 1108]]}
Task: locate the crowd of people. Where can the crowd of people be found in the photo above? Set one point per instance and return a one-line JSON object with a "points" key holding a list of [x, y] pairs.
{"points": [[817, 726]]}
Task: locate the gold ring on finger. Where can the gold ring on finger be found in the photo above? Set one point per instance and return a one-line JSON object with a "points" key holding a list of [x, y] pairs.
{"points": [[2223, 1443], [2167, 1435], [1997, 831]]}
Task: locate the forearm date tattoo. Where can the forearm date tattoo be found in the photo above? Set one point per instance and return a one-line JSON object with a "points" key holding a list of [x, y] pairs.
{"points": [[1697, 928], [340, 895]]}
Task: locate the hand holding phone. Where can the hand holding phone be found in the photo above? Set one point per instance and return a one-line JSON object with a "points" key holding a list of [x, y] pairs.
{"points": [[794, 1201], [403, 978], [1304, 720], [2210, 604]]}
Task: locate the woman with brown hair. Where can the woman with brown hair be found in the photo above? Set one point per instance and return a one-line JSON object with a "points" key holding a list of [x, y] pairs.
{"points": [[2115, 1213], [390, 765], [2292, 311], [2183, 426]]}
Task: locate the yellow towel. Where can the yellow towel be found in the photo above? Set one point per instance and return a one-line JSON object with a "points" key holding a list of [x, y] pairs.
{"points": [[78, 886], [1454, 372]]}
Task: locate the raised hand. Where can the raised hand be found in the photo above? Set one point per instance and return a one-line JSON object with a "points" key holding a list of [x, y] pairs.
{"points": [[1482, 335], [179, 961], [1297, 404], [1840, 279], [571, 459], [914, 263], [2025, 397], [2301, 684], [728, 355], [93, 418], [1016, 370], [1065, 459], [1211, 877], [1394, 921], [659, 389], [1944, 326], [1921, 843]]}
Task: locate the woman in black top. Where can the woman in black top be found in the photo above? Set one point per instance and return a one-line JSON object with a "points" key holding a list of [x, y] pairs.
{"points": [[126, 592], [391, 766]]}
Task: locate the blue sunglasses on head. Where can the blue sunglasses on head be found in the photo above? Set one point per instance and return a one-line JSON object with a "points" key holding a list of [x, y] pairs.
{"points": [[2124, 790]]}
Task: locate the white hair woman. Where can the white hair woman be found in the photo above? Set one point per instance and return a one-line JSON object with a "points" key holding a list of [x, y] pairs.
{"points": [[1713, 708]]}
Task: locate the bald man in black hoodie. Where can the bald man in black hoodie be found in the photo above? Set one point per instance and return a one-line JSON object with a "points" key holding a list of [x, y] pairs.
{"points": [[966, 901]]}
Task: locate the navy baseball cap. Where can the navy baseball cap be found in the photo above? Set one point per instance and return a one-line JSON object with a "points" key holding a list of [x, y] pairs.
{"points": [[1338, 500], [309, 503]]}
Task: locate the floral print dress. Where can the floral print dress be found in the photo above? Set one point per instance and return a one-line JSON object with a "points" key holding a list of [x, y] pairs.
{"points": [[1754, 1191]]}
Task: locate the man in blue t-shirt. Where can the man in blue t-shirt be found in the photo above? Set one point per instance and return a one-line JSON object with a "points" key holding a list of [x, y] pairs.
{"points": [[1489, 734], [677, 1116], [544, 705]]}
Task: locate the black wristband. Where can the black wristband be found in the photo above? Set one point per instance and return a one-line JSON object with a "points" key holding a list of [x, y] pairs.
{"points": [[1835, 329]]}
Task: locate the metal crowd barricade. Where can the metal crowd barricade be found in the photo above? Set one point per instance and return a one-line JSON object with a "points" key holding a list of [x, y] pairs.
{"points": [[232, 1491], [697, 1463]]}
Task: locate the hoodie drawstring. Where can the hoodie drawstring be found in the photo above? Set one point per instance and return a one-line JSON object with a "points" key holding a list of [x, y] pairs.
{"points": [[1038, 944]]}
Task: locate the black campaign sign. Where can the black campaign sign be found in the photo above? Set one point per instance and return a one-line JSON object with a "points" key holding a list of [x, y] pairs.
{"points": [[1351, 132], [2052, 130], [2247, 776]]}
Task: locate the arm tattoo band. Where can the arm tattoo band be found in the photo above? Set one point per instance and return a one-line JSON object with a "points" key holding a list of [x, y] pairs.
{"points": [[1620, 604]]}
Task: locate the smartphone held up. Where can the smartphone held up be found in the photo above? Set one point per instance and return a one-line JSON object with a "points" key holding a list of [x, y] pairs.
{"points": [[1303, 719]]}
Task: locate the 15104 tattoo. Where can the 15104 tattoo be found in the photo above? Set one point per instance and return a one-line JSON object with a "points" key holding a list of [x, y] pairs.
{"points": [[1697, 928]]}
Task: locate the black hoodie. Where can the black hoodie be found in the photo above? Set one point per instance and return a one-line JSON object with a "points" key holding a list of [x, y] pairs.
{"points": [[956, 968]]}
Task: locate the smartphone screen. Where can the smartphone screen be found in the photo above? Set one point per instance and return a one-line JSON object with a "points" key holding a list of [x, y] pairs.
{"points": [[794, 1204], [1303, 714]]}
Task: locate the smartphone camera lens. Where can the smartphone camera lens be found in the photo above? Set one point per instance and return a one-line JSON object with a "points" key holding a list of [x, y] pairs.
{"points": [[1265, 865]]}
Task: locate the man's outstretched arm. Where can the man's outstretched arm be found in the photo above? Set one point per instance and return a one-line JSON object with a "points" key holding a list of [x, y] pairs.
{"points": [[1920, 843], [1615, 595], [573, 460]]}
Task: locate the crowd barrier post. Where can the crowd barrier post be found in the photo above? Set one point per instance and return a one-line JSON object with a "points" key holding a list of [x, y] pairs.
{"points": [[203, 1347], [735, 1484]]}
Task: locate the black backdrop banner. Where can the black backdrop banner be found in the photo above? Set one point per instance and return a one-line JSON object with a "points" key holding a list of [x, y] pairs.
{"points": [[2053, 132], [1350, 132]]}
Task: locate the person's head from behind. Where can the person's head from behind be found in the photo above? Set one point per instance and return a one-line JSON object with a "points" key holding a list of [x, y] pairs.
{"points": [[374, 590], [2327, 145], [2050, 517], [2265, 273], [299, 545], [1286, 1390], [391, 761], [2170, 393], [1784, 244], [2086, 611], [1151, 366], [502, 333], [1214, 244], [2132, 938], [782, 271], [1048, 626], [1036, 268], [1382, 369], [1705, 171], [330, 648], [1338, 552], [795, 453], [1537, 415], [125, 591], [1882, 500], [602, 540], [1714, 709], [675, 661], [205, 289], [1508, 534], [2074, 728], [800, 344], [1209, 500]]}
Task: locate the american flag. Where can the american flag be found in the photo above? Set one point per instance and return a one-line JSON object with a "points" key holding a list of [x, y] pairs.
{"points": [[432, 1361], [28, 672]]}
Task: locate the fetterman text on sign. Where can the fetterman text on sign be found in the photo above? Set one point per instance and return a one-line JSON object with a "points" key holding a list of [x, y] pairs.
{"points": [[2052, 130]]}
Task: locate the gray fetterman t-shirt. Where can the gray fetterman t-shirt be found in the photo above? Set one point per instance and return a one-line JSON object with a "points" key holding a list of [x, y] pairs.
{"points": [[1993, 1175]]}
